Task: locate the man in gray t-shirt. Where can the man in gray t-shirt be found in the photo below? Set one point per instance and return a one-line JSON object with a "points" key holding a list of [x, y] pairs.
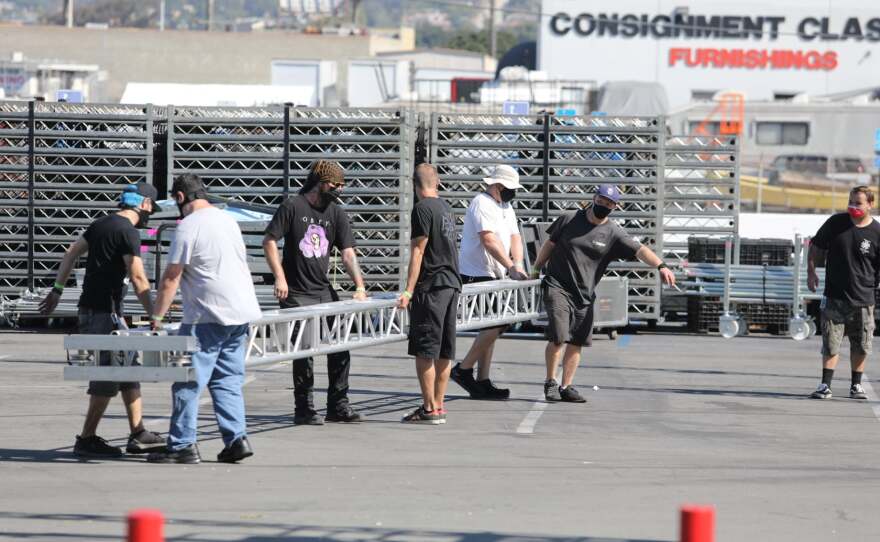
{"points": [[581, 246]]}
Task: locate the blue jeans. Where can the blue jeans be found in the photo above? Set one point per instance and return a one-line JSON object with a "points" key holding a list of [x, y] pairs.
{"points": [[219, 366]]}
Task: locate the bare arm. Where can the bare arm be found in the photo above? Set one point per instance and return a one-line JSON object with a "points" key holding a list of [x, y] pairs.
{"points": [[138, 277], [270, 248], [349, 259], [495, 249], [166, 289], [417, 251], [647, 256], [543, 256], [516, 250], [77, 249]]}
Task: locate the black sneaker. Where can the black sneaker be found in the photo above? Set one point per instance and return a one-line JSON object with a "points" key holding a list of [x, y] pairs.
{"points": [[822, 392], [491, 392], [145, 441], [236, 451], [307, 418], [571, 395], [95, 447], [189, 455], [551, 391], [345, 414], [465, 379], [420, 415]]}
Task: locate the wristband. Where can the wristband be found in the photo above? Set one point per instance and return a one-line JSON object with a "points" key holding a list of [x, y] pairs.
{"points": [[535, 273], [58, 287], [361, 289], [662, 266], [156, 318], [406, 294]]}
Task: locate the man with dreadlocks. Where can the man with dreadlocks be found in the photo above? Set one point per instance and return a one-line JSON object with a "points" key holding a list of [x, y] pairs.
{"points": [[311, 223]]}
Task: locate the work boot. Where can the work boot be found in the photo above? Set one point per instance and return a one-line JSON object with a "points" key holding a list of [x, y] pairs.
{"points": [[189, 455], [237, 450]]}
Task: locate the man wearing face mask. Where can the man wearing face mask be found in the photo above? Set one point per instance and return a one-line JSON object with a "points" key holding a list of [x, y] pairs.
{"points": [[114, 251], [491, 248], [312, 224], [581, 246], [849, 246], [207, 260]]}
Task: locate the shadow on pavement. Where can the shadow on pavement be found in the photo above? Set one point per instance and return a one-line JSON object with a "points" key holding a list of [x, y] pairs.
{"points": [[254, 531]]}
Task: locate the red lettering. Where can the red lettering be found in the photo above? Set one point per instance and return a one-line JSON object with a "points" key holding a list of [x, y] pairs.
{"points": [[753, 58]]}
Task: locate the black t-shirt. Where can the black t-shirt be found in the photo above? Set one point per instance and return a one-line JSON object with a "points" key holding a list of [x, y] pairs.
{"points": [[309, 233], [110, 239], [433, 218], [583, 251], [852, 262]]}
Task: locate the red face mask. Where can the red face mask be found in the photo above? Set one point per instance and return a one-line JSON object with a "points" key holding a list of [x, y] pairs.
{"points": [[856, 213]]}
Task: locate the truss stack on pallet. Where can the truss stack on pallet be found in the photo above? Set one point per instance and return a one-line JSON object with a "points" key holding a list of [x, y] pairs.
{"points": [[561, 161], [15, 197]]}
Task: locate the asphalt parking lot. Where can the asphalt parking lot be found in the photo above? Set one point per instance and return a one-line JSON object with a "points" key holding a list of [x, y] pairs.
{"points": [[676, 419]]}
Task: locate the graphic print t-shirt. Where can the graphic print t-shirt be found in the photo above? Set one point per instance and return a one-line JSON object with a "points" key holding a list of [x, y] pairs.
{"points": [[110, 239], [433, 218], [583, 251], [852, 263], [309, 234]]}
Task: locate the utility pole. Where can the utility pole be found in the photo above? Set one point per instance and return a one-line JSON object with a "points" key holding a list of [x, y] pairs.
{"points": [[493, 42], [161, 15], [210, 15], [68, 13]]}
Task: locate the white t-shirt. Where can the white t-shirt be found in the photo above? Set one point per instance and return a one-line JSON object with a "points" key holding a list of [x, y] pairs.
{"points": [[217, 287], [485, 214]]}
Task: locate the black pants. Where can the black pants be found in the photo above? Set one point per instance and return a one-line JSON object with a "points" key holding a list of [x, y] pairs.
{"points": [[338, 364]]}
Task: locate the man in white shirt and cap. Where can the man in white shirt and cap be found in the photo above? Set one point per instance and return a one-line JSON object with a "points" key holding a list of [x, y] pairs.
{"points": [[491, 249]]}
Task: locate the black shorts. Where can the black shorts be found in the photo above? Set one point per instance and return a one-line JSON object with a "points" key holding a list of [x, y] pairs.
{"points": [[467, 279], [569, 322], [432, 320]]}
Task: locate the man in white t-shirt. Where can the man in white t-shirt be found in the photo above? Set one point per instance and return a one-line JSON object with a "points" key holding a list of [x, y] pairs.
{"points": [[208, 260], [491, 249]]}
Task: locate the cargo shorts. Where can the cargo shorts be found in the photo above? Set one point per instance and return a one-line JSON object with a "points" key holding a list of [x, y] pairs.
{"points": [[839, 318], [102, 323]]}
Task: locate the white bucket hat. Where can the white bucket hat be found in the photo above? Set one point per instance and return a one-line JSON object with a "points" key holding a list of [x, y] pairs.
{"points": [[504, 175]]}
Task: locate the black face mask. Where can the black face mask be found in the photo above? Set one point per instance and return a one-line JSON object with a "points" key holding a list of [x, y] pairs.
{"points": [[330, 196], [601, 211], [507, 194], [143, 218]]}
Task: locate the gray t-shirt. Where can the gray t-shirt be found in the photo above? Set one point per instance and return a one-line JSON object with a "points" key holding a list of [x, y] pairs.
{"points": [[582, 253], [217, 287]]}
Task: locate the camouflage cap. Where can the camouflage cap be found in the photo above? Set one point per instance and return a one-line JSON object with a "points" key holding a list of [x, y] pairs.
{"points": [[325, 171]]}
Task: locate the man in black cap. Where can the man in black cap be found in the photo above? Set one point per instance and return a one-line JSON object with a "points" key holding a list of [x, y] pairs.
{"points": [[311, 224], [114, 251], [581, 246]]}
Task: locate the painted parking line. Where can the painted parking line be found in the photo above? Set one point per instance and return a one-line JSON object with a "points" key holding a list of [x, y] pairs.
{"points": [[527, 426], [872, 397]]}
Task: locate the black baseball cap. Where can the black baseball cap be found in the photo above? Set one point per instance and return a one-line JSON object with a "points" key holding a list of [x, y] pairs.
{"points": [[134, 194]]}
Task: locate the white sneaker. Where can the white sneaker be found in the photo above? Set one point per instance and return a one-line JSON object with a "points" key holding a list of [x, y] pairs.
{"points": [[856, 391], [822, 392]]}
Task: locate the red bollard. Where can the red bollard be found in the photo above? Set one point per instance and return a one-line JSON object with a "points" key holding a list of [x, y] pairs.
{"points": [[145, 525], [697, 524]]}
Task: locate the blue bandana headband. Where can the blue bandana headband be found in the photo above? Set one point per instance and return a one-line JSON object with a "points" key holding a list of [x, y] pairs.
{"points": [[130, 196]]}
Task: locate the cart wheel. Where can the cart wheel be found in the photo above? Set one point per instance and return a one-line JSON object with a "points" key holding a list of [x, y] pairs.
{"points": [[612, 334]]}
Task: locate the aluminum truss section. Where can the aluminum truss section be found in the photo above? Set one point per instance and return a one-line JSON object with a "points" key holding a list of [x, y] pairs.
{"points": [[701, 192], [297, 333], [561, 161]]}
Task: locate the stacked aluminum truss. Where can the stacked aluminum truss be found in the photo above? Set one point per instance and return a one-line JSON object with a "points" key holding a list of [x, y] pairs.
{"points": [[260, 155], [701, 192], [67, 162], [561, 161]]}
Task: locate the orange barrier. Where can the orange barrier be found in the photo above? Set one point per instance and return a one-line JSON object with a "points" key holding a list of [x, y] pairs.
{"points": [[145, 525], [697, 524]]}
